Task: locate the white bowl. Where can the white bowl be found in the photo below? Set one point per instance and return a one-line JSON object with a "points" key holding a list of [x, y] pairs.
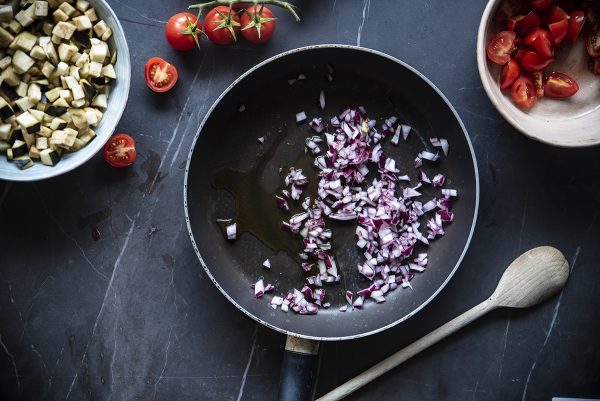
{"points": [[119, 91], [573, 122]]}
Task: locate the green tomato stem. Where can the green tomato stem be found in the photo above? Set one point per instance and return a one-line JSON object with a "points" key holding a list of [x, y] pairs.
{"points": [[230, 3]]}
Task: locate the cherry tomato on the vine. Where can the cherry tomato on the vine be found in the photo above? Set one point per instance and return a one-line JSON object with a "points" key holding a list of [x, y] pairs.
{"points": [[182, 31], [221, 26], [258, 24], [119, 151]]}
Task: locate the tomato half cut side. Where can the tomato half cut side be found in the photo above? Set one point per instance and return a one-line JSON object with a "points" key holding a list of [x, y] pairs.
{"points": [[538, 82], [532, 61], [120, 151], [560, 86], [540, 40], [160, 75], [558, 30], [512, 22], [523, 93], [500, 46], [576, 21], [528, 24], [510, 73]]}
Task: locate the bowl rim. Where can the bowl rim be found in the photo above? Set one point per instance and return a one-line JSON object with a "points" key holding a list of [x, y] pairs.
{"points": [[125, 80], [484, 74]]}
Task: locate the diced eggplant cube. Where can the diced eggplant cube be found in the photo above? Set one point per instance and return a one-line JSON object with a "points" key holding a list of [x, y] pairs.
{"points": [[109, 71], [79, 119], [82, 5], [38, 53], [15, 135], [40, 9], [34, 152], [107, 34], [66, 95], [60, 102], [6, 38], [100, 101], [23, 162], [21, 62], [14, 26], [9, 154], [41, 143], [22, 89], [53, 94], [66, 51], [5, 130], [8, 91], [61, 68], [49, 157], [10, 77], [60, 16], [48, 69], [83, 39], [55, 111], [5, 62], [19, 148], [78, 103], [98, 52], [5, 110], [70, 136], [29, 123], [82, 23], [24, 41], [64, 30], [91, 14], [24, 103], [91, 117], [100, 28], [47, 28], [34, 92], [24, 18], [95, 69], [67, 8], [37, 114]]}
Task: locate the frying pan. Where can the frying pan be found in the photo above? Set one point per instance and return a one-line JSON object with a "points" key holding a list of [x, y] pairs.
{"points": [[262, 103]]}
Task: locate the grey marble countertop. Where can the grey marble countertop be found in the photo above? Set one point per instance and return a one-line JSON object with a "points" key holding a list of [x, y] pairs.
{"points": [[133, 316]]}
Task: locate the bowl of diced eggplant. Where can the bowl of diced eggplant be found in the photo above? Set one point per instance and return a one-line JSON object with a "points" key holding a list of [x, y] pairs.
{"points": [[64, 80]]}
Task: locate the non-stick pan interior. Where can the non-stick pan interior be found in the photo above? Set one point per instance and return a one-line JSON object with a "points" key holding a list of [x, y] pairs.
{"points": [[228, 139]]}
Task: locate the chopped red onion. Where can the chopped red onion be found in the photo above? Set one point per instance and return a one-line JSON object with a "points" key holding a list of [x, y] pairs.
{"points": [[301, 116], [429, 156], [449, 192], [231, 231], [259, 288], [267, 264], [281, 203], [261, 139], [438, 180]]}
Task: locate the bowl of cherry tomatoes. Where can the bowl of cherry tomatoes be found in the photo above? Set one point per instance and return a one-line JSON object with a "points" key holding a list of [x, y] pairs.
{"points": [[539, 63]]}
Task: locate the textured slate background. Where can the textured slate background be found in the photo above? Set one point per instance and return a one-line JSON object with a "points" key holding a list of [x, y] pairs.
{"points": [[134, 317]]}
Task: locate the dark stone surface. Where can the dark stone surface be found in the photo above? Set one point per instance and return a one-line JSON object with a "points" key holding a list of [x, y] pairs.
{"points": [[133, 316]]}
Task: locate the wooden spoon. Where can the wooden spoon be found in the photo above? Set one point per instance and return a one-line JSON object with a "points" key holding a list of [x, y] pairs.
{"points": [[530, 279]]}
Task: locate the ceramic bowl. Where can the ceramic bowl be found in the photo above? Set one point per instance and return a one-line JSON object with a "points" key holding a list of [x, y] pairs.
{"points": [[574, 122], [119, 91]]}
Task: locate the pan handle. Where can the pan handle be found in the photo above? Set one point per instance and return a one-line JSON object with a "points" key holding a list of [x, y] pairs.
{"points": [[299, 370]]}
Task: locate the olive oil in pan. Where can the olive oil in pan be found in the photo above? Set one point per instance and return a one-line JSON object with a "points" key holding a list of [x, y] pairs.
{"points": [[257, 212]]}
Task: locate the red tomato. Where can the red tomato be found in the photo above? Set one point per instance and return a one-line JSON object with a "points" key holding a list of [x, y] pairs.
{"points": [[160, 75], [576, 21], [593, 44], [559, 31], [541, 4], [507, 9], [512, 22], [523, 93], [560, 86], [510, 73], [540, 41], [555, 14], [182, 31], [500, 46], [258, 24], [220, 26], [532, 62], [538, 82], [528, 24], [119, 151]]}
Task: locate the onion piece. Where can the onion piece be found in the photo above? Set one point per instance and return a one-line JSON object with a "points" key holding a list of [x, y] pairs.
{"points": [[301, 116], [261, 139], [267, 264], [231, 231]]}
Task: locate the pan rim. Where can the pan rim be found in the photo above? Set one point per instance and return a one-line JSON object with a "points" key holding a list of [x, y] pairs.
{"points": [[355, 48]]}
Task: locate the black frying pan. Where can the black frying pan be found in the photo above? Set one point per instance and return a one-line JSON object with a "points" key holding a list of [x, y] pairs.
{"points": [[227, 144]]}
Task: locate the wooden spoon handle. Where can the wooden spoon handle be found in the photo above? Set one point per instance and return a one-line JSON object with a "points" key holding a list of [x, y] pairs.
{"points": [[408, 352]]}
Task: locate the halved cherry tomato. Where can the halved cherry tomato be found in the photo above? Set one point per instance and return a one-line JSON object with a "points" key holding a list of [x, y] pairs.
{"points": [[512, 22], [559, 31], [593, 44], [560, 86], [538, 82], [531, 61], [528, 24], [258, 24], [541, 4], [500, 46], [555, 14], [540, 41], [507, 9], [221, 26], [119, 151], [182, 31], [510, 73], [523, 93], [160, 75], [576, 21]]}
